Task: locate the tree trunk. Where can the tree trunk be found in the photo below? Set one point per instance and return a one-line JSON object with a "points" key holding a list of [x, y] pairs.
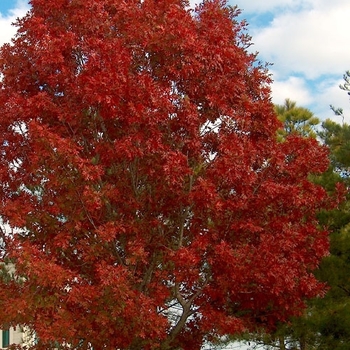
{"points": [[281, 342]]}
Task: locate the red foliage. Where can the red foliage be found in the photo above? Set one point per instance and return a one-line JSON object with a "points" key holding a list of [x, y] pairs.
{"points": [[151, 205]]}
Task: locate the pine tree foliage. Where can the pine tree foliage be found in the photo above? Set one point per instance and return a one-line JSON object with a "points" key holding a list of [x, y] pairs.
{"points": [[296, 120]]}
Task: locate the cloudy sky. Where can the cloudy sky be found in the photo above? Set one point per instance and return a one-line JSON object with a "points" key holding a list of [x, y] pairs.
{"points": [[307, 41]]}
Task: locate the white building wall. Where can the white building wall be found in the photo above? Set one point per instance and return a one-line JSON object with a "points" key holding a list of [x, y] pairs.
{"points": [[16, 336]]}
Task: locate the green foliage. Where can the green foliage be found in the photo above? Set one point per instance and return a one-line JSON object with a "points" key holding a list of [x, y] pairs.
{"points": [[337, 138], [330, 316], [346, 85], [325, 324], [296, 120]]}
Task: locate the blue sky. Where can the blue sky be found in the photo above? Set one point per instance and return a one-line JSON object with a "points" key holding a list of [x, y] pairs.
{"points": [[306, 40], [9, 11], [5, 5]]}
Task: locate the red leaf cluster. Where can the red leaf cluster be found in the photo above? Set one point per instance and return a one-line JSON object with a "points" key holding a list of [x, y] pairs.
{"points": [[149, 202]]}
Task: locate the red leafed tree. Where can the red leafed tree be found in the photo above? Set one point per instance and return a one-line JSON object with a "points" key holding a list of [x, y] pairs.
{"points": [[146, 202]]}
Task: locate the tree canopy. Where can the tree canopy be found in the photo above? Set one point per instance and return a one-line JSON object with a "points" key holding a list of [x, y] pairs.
{"points": [[146, 201]]}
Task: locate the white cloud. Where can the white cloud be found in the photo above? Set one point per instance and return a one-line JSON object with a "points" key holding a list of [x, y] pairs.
{"points": [[7, 31], [316, 95], [307, 42], [312, 42], [256, 7], [328, 94], [193, 3], [253, 6], [294, 88]]}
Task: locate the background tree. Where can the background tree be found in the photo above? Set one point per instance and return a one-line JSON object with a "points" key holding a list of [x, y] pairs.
{"points": [[325, 322], [150, 204], [346, 85], [331, 320], [329, 315], [296, 120]]}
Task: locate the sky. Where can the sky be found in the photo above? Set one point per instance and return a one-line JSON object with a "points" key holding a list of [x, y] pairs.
{"points": [[306, 41]]}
